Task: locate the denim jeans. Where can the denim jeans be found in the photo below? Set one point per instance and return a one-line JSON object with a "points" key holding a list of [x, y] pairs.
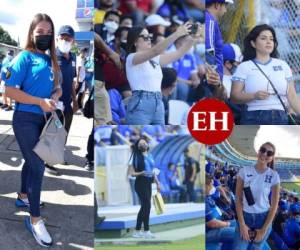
{"points": [[264, 117], [27, 128], [253, 221], [145, 108]]}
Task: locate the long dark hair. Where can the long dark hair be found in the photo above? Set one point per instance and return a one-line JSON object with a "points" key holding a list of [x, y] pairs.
{"points": [[30, 46], [272, 163], [132, 37], [249, 50], [138, 160]]}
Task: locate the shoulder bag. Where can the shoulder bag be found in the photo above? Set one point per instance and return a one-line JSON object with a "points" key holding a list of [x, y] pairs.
{"points": [[50, 147], [293, 118]]}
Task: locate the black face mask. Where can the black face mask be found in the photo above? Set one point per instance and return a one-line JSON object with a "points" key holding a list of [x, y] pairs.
{"points": [[143, 148], [43, 42]]}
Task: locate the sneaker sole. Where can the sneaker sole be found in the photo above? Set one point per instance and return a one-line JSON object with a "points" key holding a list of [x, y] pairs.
{"points": [[137, 237], [29, 228]]}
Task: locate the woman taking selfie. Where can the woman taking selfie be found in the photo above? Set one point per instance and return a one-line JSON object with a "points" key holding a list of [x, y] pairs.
{"points": [[256, 77], [254, 210], [32, 81], [144, 73]]}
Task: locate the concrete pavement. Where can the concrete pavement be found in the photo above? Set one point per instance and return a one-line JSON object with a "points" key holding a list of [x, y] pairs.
{"points": [[68, 198]]}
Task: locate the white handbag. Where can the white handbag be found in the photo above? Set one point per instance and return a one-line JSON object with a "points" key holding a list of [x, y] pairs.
{"points": [[50, 147]]}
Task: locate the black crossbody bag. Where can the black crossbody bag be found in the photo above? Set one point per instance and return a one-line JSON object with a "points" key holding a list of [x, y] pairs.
{"points": [[293, 118]]}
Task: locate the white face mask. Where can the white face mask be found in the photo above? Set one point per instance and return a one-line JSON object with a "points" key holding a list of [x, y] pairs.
{"points": [[9, 57], [64, 46], [111, 26]]}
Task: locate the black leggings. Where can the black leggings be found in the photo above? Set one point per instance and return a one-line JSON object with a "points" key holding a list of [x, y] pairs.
{"points": [[143, 189]]}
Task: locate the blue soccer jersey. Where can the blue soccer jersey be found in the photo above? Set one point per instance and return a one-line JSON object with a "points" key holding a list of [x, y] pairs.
{"points": [[212, 211], [291, 231], [214, 41], [32, 73]]}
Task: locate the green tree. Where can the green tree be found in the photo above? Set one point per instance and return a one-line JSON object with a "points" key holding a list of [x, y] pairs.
{"points": [[6, 38]]}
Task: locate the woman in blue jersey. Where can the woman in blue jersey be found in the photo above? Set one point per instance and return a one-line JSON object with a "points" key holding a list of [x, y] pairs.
{"points": [[253, 79], [32, 81], [143, 165], [254, 210]]}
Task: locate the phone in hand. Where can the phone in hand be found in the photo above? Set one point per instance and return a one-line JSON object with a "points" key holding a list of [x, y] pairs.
{"points": [[194, 29], [252, 234]]}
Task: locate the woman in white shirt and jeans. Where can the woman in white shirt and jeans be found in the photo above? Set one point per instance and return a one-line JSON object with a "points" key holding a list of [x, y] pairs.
{"points": [[250, 85], [255, 220], [143, 70]]}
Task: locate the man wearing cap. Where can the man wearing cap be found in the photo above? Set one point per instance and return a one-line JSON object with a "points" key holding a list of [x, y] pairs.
{"points": [[67, 63], [232, 57]]}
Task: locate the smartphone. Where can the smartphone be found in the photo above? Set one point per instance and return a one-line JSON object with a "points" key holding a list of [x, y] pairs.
{"points": [[194, 29], [249, 196], [210, 58], [252, 234]]}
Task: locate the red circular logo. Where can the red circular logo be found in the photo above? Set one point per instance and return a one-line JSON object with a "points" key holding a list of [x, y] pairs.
{"points": [[210, 121]]}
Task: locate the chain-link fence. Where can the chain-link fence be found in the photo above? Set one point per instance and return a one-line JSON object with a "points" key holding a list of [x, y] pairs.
{"points": [[282, 15]]}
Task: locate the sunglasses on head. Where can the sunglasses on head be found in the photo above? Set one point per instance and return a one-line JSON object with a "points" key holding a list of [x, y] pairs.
{"points": [[145, 37], [263, 150]]}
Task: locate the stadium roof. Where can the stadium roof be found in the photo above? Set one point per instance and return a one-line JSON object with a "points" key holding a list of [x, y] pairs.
{"points": [[242, 139]]}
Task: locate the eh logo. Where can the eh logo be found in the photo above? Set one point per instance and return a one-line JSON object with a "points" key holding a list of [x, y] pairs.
{"points": [[210, 121]]}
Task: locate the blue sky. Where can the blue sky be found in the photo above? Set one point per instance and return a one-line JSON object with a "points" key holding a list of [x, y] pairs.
{"points": [[16, 15]]}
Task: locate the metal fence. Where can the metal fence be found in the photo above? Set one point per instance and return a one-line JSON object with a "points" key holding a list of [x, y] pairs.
{"points": [[282, 15]]}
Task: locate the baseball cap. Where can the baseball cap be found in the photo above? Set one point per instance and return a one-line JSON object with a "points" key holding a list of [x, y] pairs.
{"points": [[66, 30], [218, 1], [155, 19], [232, 52]]}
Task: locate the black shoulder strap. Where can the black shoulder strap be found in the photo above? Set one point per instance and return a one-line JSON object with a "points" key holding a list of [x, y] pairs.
{"points": [[91, 94], [275, 90]]}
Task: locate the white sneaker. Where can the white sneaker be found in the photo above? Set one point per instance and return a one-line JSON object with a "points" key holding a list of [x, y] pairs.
{"points": [[39, 232], [138, 234], [149, 235]]}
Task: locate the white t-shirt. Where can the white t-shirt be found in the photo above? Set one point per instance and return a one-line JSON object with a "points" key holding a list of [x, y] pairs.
{"points": [[278, 72], [227, 82], [144, 76], [260, 184], [80, 63]]}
